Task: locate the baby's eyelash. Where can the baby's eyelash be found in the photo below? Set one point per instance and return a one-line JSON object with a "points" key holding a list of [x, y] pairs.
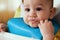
{"points": [[38, 9], [27, 9]]}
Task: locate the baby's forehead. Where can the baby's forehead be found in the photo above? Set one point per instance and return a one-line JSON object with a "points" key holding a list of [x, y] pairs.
{"points": [[44, 2], [37, 0]]}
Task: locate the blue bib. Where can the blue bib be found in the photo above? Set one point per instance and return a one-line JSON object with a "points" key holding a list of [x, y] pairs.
{"points": [[18, 26]]}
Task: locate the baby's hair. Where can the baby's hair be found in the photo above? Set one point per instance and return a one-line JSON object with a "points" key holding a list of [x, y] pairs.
{"points": [[49, 2]]}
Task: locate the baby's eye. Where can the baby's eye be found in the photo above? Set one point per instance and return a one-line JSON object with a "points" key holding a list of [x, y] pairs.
{"points": [[27, 9], [38, 9]]}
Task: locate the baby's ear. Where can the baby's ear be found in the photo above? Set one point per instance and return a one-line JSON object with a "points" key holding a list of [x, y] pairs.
{"points": [[52, 12]]}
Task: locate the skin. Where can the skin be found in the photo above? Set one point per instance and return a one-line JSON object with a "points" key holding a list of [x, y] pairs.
{"points": [[3, 27], [36, 14]]}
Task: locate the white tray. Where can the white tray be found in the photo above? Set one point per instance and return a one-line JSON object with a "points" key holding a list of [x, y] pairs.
{"points": [[9, 36]]}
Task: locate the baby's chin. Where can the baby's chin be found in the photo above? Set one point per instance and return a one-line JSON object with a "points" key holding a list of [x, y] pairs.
{"points": [[33, 25]]}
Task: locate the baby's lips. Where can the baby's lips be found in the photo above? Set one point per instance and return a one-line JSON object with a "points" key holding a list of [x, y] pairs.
{"points": [[32, 19]]}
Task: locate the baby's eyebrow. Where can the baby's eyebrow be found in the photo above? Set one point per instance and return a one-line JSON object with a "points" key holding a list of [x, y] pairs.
{"points": [[26, 5], [35, 5], [40, 4]]}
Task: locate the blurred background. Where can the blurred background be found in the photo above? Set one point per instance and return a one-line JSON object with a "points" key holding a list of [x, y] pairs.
{"points": [[8, 9]]}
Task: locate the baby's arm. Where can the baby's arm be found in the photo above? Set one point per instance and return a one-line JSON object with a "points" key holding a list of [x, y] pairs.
{"points": [[46, 29]]}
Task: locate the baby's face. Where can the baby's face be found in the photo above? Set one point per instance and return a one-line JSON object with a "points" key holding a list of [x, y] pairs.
{"points": [[34, 11]]}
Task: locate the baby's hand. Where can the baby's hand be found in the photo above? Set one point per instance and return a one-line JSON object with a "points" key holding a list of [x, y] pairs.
{"points": [[46, 27], [3, 27]]}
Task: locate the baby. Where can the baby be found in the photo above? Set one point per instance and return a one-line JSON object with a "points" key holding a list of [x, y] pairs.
{"points": [[39, 13], [3, 27]]}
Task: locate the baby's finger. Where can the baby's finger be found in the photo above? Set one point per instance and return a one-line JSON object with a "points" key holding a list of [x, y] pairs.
{"points": [[39, 24], [41, 21], [52, 28], [46, 20], [50, 22]]}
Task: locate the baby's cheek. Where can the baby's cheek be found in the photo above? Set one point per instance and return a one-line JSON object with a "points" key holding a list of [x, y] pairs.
{"points": [[42, 18], [25, 19]]}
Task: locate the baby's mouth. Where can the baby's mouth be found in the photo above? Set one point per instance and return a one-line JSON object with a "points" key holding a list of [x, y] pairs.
{"points": [[33, 20]]}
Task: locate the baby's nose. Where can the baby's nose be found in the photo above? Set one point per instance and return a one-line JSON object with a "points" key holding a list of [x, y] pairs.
{"points": [[33, 14]]}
